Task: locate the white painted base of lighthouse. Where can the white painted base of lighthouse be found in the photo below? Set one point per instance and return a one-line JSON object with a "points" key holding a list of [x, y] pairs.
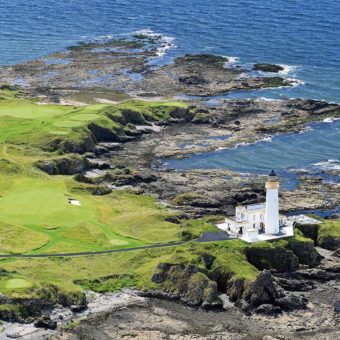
{"points": [[272, 225]]}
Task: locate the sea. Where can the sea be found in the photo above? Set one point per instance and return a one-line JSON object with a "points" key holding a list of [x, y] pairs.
{"points": [[303, 36]]}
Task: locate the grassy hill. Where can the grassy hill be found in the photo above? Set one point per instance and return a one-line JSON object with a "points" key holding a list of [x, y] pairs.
{"points": [[38, 217]]}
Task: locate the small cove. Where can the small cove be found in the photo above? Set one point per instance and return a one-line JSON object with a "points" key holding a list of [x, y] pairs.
{"points": [[315, 151]]}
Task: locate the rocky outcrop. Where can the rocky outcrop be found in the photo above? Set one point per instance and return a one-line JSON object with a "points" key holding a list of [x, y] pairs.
{"points": [[268, 68], [81, 145], [291, 301], [104, 134], [34, 308], [45, 322], [268, 310], [69, 165], [329, 242], [196, 200], [181, 113], [262, 291], [295, 285], [325, 241], [124, 176], [277, 258], [186, 283], [309, 230], [305, 252]]}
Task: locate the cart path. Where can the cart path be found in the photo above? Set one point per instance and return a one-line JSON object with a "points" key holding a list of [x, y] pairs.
{"points": [[206, 237]]}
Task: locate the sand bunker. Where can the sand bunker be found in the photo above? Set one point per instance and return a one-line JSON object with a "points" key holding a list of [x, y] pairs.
{"points": [[74, 202]]}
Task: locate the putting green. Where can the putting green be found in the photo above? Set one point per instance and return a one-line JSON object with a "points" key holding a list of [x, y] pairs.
{"points": [[85, 117], [60, 132], [67, 123], [29, 110], [18, 283]]}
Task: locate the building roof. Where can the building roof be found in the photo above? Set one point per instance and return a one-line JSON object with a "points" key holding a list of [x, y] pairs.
{"points": [[252, 208], [272, 174]]}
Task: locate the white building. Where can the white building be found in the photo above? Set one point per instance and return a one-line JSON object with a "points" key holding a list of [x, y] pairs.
{"points": [[260, 222]]}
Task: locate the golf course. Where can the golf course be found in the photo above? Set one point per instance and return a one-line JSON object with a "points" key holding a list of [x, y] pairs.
{"points": [[46, 209]]}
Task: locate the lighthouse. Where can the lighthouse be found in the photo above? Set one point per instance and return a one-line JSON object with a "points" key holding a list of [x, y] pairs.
{"points": [[272, 204]]}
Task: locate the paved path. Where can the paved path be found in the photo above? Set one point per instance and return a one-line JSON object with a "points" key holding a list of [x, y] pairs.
{"points": [[85, 253], [215, 236]]}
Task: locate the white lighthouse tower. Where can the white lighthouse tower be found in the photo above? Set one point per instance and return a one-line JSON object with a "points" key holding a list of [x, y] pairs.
{"points": [[272, 204]]}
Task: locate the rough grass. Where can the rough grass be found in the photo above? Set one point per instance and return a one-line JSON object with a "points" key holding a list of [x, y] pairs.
{"points": [[128, 269], [36, 216], [330, 228]]}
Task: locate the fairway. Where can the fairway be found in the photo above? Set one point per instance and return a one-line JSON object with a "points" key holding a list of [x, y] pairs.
{"points": [[85, 117], [39, 213], [42, 214], [67, 123]]}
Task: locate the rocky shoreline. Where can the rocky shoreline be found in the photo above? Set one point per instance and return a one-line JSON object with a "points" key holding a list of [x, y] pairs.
{"points": [[297, 298], [309, 310]]}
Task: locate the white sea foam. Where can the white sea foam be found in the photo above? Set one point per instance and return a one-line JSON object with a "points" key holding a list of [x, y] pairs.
{"points": [[232, 61], [287, 69], [264, 140], [306, 129], [330, 120], [296, 82], [267, 99], [330, 164], [166, 42]]}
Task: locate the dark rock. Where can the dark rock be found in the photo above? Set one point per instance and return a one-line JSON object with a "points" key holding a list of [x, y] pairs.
{"points": [[268, 310], [83, 179], [305, 252], [277, 258], [235, 289], [132, 117], [329, 242], [309, 230], [295, 285], [69, 165], [177, 219], [262, 290], [208, 260], [105, 134], [188, 284], [336, 253], [291, 302], [101, 191], [80, 146], [201, 118], [78, 308], [245, 307], [9, 315], [181, 114], [268, 68], [315, 274], [192, 80], [145, 177], [337, 306], [45, 322], [196, 200]]}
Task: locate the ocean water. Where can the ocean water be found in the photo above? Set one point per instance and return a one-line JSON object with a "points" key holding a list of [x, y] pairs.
{"points": [[315, 150], [302, 35]]}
